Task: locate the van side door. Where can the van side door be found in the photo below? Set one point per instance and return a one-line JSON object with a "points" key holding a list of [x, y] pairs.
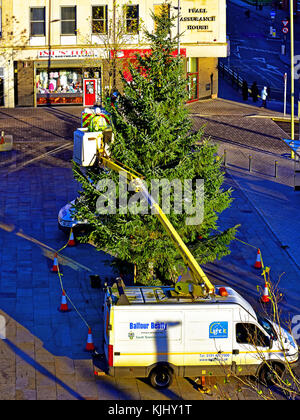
{"points": [[208, 339], [250, 347]]}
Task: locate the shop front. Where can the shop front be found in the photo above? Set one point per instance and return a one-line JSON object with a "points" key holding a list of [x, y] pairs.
{"points": [[59, 86], [63, 78]]}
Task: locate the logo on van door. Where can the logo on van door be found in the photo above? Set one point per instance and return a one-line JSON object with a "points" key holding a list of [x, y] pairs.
{"points": [[218, 330]]}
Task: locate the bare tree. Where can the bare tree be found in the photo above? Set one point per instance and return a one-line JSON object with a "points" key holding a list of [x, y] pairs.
{"points": [[14, 40], [112, 31], [273, 382]]}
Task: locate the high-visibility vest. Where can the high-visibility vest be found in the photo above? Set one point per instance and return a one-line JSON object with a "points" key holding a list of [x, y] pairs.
{"points": [[86, 119], [99, 123]]}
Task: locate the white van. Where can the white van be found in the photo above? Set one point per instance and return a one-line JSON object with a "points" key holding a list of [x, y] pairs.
{"points": [[156, 332]]}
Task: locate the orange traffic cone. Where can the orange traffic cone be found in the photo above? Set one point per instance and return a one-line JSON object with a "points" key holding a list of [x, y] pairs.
{"points": [[64, 304], [258, 263], [90, 344], [2, 140], [265, 297], [71, 239], [54, 268]]}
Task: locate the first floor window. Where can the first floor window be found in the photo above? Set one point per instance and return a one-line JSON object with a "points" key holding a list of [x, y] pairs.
{"points": [[159, 9], [132, 19], [68, 20], [37, 21], [99, 19]]}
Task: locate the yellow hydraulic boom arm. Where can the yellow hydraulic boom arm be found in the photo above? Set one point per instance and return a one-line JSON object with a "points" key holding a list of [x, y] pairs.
{"points": [[197, 273]]}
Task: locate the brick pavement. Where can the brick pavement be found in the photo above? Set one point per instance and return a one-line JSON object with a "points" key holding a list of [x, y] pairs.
{"points": [[43, 356]]}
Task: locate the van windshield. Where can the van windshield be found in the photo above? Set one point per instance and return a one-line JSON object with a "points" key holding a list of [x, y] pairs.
{"points": [[267, 326]]}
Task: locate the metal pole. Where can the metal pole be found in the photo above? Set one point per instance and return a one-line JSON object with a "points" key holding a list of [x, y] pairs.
{"points": [[285, 89], [276, 169], [49, 49], [292, 74], [113, 69]]}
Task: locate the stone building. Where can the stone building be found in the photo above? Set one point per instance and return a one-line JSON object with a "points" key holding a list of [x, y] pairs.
{"points": [[53, 52]]}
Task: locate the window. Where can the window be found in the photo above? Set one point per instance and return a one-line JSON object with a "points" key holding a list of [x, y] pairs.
{"points": [[37, 21], [160, 8], [99, 19], [132, 19], [250, 334], [68, 20]]}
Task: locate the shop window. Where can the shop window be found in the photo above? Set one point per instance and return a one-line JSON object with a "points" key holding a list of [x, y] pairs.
{"points": [[132, 19], [193, 65], [59, 86], [99, 19], [68, 20], [37, 21]]}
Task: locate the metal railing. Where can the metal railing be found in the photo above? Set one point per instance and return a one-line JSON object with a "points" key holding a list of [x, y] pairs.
{"points": [[276, 168], [234, 77]]}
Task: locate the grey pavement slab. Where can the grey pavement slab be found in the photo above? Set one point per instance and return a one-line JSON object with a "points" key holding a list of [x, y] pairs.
{"points": [[279, 206]]}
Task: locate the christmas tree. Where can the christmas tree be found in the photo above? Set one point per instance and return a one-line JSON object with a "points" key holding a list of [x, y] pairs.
{"points": [[154, 137]]}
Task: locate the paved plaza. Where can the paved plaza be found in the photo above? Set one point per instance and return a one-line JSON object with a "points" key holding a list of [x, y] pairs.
{"points": [[43, 355]]}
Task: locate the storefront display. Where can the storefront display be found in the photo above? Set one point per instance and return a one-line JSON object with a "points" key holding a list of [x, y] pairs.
{"points": [[59, 86]]}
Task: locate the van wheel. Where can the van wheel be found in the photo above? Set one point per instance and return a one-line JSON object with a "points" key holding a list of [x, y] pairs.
{"points": [[269, 375], [161, 377]]}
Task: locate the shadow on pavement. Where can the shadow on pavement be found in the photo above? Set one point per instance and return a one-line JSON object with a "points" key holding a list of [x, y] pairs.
{"points": [[38, 367]]}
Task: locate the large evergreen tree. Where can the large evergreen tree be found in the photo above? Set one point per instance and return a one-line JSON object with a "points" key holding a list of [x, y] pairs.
{"points": [[154, 136]]}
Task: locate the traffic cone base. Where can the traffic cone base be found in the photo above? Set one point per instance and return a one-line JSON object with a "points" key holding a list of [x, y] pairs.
{"points": [[64, 305], [265, 297], [90, 344], [258, 263], [54, 268], [71, 241]]}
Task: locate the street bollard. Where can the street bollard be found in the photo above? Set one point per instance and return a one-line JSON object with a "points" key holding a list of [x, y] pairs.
{"points": [[225, 158], [250, 163], [276, 169]]}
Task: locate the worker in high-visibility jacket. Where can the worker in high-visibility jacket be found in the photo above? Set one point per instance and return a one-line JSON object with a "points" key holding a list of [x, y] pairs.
{"points": [[99, 122]]}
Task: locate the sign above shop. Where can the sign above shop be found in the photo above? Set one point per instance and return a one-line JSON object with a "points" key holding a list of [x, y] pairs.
{"points": [[132, 53], [198, 19], [69, 53]]}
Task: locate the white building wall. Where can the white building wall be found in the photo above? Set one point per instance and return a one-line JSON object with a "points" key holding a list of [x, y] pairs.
{"points": [[202, 24]]}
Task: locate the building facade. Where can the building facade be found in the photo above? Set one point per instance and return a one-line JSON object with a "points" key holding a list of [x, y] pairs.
{"points": [[62, 52]]}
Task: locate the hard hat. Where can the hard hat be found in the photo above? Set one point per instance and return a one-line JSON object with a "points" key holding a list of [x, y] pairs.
{"points": [[98, 110]]}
